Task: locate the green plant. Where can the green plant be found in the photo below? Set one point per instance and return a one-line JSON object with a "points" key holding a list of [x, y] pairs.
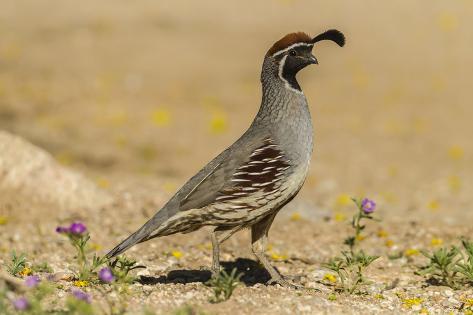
{"points": [[42, 267], [351, 265], [121, 268], [349, 268], [223, 285], [442, 265], [451, 267], [77, 307], [187, 310], [17, 264], [3, 305], [465, 266]]}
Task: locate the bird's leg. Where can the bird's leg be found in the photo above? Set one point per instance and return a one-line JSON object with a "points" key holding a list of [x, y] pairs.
{"points": [[218, 236], [215, 253], [259, 237]]}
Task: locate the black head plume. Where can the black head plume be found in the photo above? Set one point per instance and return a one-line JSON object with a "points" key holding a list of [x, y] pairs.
{"points": [[333, 35]]}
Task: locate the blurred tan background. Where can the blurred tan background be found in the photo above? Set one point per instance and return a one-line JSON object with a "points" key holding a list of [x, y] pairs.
{"points": [[149, 91]]}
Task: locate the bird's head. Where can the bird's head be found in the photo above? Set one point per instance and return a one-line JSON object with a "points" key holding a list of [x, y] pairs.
{"points": [[293, 52]]}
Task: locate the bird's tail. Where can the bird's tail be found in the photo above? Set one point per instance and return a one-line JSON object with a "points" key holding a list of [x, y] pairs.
{"points": [[140, 235]]}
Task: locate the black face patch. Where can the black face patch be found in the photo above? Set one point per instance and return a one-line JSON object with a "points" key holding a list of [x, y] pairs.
{"points": [[294, 60]]}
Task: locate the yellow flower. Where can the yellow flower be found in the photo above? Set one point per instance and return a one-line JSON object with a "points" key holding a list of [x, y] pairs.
{"points": [[339, 217], [332, 297], [121, 141], [177, 254], [379, 296], [218, 123], [454, 182], [330, 277], [448, 22], [103, 183], [433, 205], [147, 152], [205, 246], [382, 233], [161, 117], [410, 302], [278, 257], [26, 271], [468, 302], [169, 187], [420, 125], [296, 216], [117, 118], [411, 252], [343, 200], [436, 241], [456, 152], [389, 197], [389, 243], [95, 246], [3, 220], [360, 237], [81, 283]]}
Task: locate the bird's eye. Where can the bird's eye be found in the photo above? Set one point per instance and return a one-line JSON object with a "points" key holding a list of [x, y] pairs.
{"points": [[292, 52]]}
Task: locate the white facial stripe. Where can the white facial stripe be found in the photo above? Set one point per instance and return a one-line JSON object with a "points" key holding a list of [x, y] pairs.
{"points": [[292, 46], [286, 84]]}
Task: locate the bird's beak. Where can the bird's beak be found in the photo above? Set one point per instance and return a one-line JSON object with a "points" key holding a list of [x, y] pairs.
{"points": [[313, 60]]}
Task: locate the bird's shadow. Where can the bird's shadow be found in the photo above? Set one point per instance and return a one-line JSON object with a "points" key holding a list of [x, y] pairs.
{"points": [[252, 273]]}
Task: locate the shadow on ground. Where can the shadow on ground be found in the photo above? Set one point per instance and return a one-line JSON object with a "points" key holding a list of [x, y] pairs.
{"points": [[252, 272]]}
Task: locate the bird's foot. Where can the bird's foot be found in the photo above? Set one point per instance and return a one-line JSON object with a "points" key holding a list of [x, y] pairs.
{"points": [[215, 270], [284, 283]]}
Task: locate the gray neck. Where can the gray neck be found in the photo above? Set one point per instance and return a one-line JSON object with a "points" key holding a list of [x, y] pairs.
{"points": [[279, 101]]}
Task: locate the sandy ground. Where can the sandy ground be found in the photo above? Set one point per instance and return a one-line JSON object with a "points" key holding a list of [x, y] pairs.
{"points": [[139, 96]]}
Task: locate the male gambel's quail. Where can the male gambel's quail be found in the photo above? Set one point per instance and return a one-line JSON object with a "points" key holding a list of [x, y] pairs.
{"points": [[248, 183]]}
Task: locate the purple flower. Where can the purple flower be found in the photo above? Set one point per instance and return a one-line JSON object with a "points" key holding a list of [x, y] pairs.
{"points": [[368, 206], [77, 228], [106, 275], [32, 281], [62, 229], [21, 303], [81, 295]]}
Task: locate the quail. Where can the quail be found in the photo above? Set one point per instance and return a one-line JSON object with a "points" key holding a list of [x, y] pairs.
{"points": [[249, 182]]}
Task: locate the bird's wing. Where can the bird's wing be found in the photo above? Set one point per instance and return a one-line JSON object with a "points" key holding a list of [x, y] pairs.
{"points": [[256, 168]]}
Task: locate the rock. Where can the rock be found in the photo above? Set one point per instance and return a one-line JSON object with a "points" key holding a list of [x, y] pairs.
{"points": [[30, 176], [147, 288], [416, 307], [452, 300], [448, 293]]}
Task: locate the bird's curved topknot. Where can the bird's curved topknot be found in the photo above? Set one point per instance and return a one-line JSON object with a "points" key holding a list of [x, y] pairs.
{"points": [[288, 40]]}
